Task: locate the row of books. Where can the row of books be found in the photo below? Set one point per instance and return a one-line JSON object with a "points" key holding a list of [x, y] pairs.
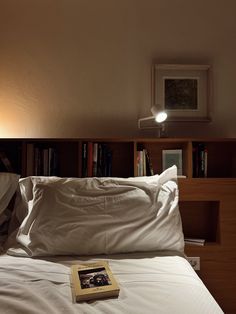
{"points": [[41, 161], [144, 165], [96, 160], [199, 160]]}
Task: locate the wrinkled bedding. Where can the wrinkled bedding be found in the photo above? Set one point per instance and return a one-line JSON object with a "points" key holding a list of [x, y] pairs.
{"points": [[149, 283]]}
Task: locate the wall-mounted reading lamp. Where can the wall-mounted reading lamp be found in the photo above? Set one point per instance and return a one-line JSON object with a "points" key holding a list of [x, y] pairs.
{"points": [[154, 121]]}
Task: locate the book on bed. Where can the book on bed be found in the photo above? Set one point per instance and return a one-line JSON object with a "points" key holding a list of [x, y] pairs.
{"points": [[93, 281]]}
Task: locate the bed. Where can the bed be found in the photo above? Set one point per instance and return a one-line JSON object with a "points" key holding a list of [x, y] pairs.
{"points": [[133, 223]]}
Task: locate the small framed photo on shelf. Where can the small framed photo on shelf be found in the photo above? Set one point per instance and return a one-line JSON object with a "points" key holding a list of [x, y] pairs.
{"points": [[171, 157], [182, 90]]}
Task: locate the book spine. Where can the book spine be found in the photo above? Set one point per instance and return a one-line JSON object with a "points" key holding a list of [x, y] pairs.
{"points": [[205, 162], [30, 166], [45, 161], [141, 162], [90, 159], [85, 160], [150, 171], [144, 163], [109, 163], [195, 162], [199, 160], [52, 162], [38, 162], [99, 160], [95, 159]]}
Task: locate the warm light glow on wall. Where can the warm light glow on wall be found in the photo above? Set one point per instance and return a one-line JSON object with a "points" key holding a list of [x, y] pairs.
{"points": [[3, 131], [8, 130], [12, 124]]}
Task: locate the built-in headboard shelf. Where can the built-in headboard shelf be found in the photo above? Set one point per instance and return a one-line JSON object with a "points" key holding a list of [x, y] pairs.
{"points": [[207, 193]]}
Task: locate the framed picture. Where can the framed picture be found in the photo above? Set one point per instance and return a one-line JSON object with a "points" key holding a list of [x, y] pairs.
{"points": [[183, 91], [171, 157]]}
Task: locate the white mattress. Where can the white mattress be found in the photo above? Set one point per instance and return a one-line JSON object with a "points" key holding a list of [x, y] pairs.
{"points": [[148, 284]]}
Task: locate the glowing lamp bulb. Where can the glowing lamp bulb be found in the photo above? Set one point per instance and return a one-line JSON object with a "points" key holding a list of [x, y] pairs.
{"points": [[161, 116]]}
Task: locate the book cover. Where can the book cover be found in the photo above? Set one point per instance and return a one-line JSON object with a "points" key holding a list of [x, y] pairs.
{"points": [[93, 281]]}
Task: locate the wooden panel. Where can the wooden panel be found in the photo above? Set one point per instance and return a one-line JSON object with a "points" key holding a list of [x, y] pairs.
{"points": [[218, 261]]}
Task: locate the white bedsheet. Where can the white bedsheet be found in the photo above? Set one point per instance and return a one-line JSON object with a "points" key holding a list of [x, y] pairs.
{"points": [[148, 284]]}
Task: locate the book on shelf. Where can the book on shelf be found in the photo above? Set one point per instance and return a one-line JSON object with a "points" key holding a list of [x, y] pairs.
{"points": [[149, 167], [85, 159], [90, 160], [96, 160], [30, 165], [108, 163], [93, 281], [144, 165], [140, 163], [200, 156], [194, 241], [5, 162], [41, 161], [100, 160]]}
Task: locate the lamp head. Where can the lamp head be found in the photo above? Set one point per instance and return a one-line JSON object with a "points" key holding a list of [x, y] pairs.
{"points": [[159, 114]]}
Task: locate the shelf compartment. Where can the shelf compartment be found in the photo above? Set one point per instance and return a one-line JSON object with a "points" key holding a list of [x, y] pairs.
{"points": [[12, 149], [200, 219], [221, 158], [155, 152]]}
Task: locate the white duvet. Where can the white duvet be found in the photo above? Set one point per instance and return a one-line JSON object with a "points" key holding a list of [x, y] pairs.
{"points": [[148, 284]]}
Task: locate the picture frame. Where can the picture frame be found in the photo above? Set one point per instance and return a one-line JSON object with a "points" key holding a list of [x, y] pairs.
{"points": [[171, 157], [182, 90]]}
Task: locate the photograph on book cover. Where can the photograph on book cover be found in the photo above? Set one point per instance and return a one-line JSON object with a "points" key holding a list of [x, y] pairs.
{"points": [[90, 278], [93, 281], [182, 90]]}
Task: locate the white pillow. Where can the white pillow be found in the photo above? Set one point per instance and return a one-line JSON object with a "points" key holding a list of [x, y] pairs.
{"points": [[68, 216]]}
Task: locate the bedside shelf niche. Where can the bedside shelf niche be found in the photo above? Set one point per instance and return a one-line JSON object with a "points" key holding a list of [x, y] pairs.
{"points": [[205, 215], [221, 158]]}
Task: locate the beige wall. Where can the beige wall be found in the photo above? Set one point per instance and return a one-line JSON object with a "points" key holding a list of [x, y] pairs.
{"points": [[81, 68]]}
